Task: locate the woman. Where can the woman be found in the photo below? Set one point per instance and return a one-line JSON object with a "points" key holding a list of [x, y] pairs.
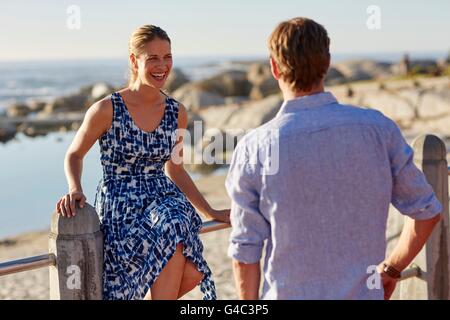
{"points": [[151, 243]]}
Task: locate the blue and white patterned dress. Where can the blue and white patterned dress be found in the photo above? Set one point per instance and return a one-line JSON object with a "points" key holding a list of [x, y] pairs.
{"points": [[143, 214]]}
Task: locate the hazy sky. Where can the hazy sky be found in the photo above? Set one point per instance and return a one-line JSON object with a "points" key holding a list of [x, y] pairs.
{"points": [[38, 29]]}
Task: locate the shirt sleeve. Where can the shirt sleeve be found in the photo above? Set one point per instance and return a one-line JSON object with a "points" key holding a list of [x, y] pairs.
{"points": [[412, 195], [249, 226]]}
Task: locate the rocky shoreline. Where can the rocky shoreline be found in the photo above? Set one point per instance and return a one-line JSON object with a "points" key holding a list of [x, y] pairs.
{"points": [[416, 94]]}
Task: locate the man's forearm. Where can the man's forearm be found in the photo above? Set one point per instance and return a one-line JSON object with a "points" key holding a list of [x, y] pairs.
{"points": [[247, 279], [414, 235]]}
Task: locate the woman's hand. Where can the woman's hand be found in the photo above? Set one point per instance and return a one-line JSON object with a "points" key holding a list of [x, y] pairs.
{"points": [[220, 215], [66, 205]]}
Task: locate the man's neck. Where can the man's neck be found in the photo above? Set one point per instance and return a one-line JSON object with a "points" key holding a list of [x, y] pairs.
{"points": [[288, 94]]}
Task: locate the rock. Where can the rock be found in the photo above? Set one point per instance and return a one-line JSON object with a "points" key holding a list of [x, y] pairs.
{"points": [[176, 79], [438, 126], [416, 67], [218, 116], [194, 128], [264, 89], [235, 100], [7, 131], [255, 113], [75, 102], [18, 110], [99, 91], [393, 106], [226, 84], [435, 104], [234, 121], [334, 77], [33, 132], [195, 98], [356, 70], [37, 106], [258, 72], [264, 84]]}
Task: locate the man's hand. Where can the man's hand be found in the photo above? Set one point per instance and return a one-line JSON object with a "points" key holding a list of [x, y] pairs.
{"points": [[389, 283]]}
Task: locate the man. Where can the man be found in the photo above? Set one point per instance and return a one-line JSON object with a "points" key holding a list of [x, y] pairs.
{"points": [[323, 211]]}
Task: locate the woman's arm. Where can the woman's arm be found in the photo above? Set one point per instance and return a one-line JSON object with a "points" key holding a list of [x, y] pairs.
{"points": [[97, 120], [175, 171]]}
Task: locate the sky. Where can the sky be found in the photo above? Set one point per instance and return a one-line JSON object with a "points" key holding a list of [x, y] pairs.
{"points": [[38, 30]]}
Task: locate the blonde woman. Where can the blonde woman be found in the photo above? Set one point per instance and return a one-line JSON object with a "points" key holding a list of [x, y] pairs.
{"points": [[151, 245]]}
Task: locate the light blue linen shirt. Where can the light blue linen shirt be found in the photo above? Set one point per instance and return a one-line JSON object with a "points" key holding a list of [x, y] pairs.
{"points": [[316, 183]]}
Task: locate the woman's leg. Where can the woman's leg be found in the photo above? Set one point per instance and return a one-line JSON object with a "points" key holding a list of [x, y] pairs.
{"points": [[191, 278], [167, 285]]}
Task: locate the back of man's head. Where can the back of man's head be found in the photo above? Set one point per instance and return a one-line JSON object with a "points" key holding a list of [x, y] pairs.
{"points": [[300, 48]]}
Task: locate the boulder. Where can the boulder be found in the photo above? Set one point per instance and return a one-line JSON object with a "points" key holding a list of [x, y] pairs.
{"points": [[264, 89], [334, 77], [18, 110], [176, 79], [99, 91], [37, 106], [7, 131], [263, 83], [258, 72], [435, 104], [226, 84], [391, 105], [194, 98], [75, 102], [235, 120], [356, 70]]}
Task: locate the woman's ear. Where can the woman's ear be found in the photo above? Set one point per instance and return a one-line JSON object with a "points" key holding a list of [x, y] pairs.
{"points": [[133, 61], [274, 69]]}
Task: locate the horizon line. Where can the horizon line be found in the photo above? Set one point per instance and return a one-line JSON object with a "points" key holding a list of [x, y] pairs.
{"points": [[371, 54]]}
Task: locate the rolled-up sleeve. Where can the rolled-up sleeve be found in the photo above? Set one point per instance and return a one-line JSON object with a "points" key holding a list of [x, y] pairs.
{"points": [[249, 226], [412, 195]]}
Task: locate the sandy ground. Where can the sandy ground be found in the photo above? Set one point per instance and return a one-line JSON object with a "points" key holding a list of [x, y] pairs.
{"points": [[34, 284]]}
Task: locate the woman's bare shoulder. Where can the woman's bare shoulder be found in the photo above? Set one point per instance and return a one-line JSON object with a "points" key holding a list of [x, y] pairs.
{"points": [[100, 114]]}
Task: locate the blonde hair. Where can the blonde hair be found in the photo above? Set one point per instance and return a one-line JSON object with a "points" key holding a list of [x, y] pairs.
{"points": [[301, 50], [139, 38]]}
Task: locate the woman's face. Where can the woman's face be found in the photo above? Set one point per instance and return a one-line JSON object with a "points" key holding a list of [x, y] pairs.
{"points": [[155, 63]]}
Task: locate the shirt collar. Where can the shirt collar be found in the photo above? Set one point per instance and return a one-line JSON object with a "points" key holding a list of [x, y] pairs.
{"points": [[306, 102]]}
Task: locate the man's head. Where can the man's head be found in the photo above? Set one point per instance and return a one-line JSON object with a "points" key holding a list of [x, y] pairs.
{"points": [[300, 53]]}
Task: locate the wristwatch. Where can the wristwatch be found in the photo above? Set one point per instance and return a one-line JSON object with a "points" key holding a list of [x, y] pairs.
{"points": [[391, 271]]}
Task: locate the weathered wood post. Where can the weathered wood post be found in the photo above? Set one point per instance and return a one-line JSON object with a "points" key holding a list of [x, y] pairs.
{"points": [[77, 243], [434, 259]]}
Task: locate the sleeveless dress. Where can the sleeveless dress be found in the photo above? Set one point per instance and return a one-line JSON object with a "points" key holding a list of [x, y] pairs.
{"points": [[143, 214]]}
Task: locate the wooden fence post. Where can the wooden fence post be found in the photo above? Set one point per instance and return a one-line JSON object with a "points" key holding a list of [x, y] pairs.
{"points": [[77, 243], [434, 259]]}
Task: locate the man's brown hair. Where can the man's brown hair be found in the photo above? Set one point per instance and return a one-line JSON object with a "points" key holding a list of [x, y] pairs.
{"points": [[301, 50]]}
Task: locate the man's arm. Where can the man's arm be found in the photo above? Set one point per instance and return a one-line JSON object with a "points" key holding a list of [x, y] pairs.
{"points": [[414, 235], [247, 279], [250, 228], [413, 197]]}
